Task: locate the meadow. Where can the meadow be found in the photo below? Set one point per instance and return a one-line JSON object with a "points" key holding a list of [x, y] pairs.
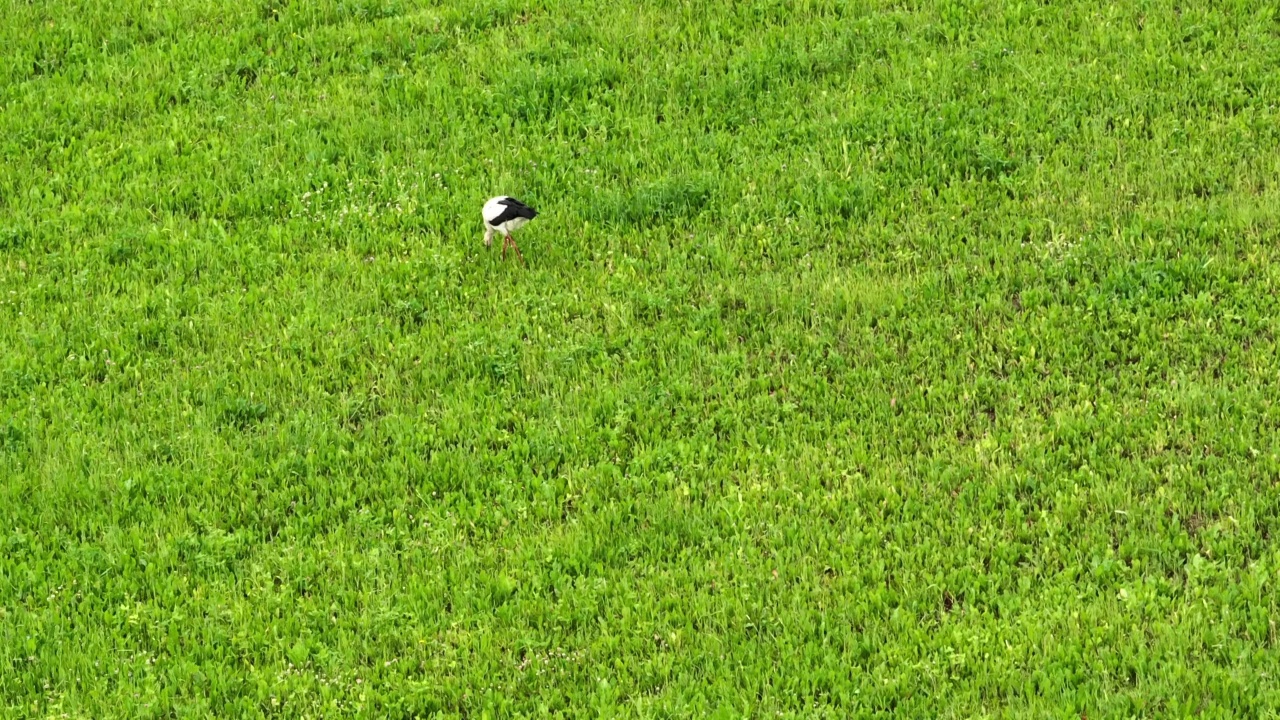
{"points": [[874, 358]]}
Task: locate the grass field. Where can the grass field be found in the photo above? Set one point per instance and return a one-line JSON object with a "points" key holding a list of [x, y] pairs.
{"points": [[872, 358]]}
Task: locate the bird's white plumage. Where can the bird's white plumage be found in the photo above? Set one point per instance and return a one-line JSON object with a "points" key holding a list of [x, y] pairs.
{"points": [[495, 208]]}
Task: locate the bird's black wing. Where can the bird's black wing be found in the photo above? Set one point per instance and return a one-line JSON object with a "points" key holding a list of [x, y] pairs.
{"points": [[512, 209]]}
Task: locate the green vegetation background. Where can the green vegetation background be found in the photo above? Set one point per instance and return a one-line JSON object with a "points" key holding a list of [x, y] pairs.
{"points": [[899, 358]]}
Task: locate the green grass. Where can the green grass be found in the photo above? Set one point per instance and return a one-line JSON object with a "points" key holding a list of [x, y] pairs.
{"points": [[873, 358]]}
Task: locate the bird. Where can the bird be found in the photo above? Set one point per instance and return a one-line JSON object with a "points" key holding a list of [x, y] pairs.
{"points": [[504, 214]]}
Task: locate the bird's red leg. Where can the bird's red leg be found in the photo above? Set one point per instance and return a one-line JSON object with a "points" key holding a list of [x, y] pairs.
{"points": [[517, 248], [504, 246]]}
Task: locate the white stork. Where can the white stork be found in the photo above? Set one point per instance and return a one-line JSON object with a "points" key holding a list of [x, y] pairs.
{"points": [[505, 214]]}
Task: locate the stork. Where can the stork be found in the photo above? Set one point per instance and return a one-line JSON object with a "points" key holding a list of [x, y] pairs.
{"points": [[504, 215]]}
